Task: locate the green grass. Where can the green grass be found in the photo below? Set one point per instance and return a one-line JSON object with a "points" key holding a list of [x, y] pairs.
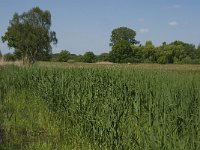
{"points": [[99, 108]]}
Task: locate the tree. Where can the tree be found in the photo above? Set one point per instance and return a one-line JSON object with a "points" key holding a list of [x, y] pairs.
{"points": [[165, 58], [30, 35], [103, 57], [149, 52], [75, 58], [187, 49], [137, 53], [0, 55], [44, 56], [171, 53], [89, 57], [64, 56], [164, 43], [123, 34], [197, 52], [122, 39], [9, 57], [121, 52]]}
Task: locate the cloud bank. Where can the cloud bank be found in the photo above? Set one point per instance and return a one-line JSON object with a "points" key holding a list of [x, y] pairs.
{"points": [[173, 23]]}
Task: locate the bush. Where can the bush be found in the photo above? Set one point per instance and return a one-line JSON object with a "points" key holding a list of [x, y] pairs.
{"points": [[188, 60], [89, 57], [103, 57], [64, 56]]}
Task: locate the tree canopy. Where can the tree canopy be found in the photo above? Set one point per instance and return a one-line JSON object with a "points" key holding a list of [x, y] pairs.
{"points": [[29, 34], [121, 40], [64, 56], [89, 57], [123, 34], [121, 52]]}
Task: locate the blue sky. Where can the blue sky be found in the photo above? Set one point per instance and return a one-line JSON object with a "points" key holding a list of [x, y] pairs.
{"points": [[86, 25]]}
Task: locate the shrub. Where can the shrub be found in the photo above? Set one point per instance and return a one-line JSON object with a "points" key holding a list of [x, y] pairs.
{"points": [[89, 57]]}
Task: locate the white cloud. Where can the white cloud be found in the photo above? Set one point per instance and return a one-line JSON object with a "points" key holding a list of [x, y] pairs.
{"points": [[144, 30], [173, 23], [176, 6], [141, 19]]}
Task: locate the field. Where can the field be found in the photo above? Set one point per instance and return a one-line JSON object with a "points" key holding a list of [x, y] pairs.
{"points": [[100, 106]]}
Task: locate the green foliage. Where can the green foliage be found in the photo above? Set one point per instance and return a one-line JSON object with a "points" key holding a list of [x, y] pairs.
{"points": [[137, 53], [1, 56], [188, 49], [26, 119], [121, 52], [64, 56], [188, 60], [103, 57], [76, 58], [9, 57], [29, 34], [175, 52], [149, 52], [197, 52], [99, 108], [125, 52], [123, 34], [44, 56], [89, 57]]}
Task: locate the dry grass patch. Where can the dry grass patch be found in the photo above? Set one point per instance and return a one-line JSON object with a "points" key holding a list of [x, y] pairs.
{"points": [[3, 62]]}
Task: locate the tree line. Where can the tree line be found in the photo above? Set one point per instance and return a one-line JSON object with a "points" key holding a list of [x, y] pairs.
{"points": [[31, 37]]}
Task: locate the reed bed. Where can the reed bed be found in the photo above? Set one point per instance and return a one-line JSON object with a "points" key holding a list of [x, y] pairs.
{"points": [[114, 108]]}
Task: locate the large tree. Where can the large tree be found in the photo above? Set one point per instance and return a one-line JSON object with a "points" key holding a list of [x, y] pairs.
{"points": [[123, 34], [121, 52], [122, 39], [30, 35]]}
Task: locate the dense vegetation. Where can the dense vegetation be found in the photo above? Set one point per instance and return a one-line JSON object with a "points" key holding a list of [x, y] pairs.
{"points": [[98, 108], [30, 36], [176, 52]]}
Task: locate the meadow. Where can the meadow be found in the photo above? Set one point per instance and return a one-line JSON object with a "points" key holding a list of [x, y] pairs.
{"points": [[100, 106]]}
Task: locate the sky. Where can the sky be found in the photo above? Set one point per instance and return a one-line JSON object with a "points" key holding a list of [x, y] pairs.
{"points": [[86, 25]]}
